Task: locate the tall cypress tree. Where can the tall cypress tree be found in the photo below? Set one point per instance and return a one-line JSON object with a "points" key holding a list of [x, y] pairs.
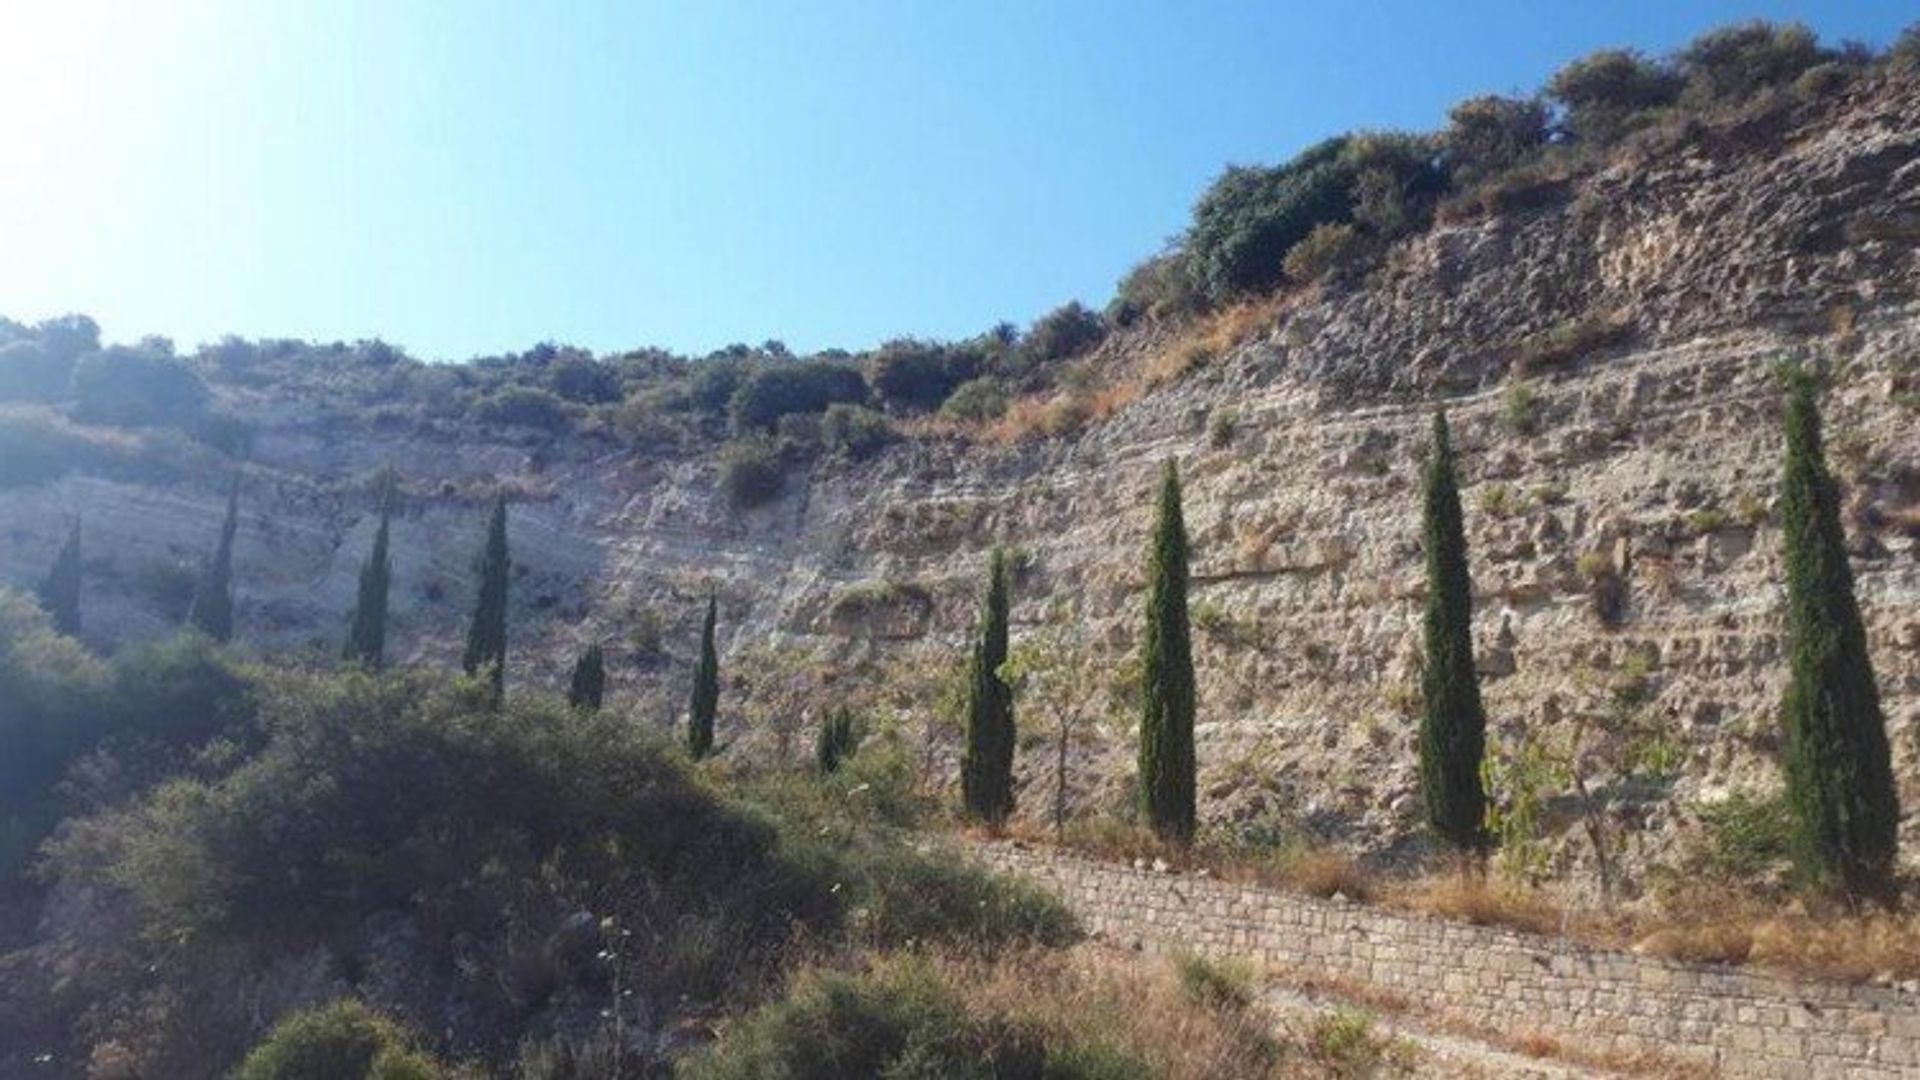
{"points": [[212, 609], [60, 592], [986, 766], [487, 634], [706, 688], [1166, 724], [589, 685], [367, 627], [1453, 724], [1838, 771]]}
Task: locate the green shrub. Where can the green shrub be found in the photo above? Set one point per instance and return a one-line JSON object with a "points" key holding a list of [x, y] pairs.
{"points": [[976, 401], [1904, 54], [916, 376], [793, 387], [1608, 93], [1161, 287], [37, 446], [1326, 249], [1490, 134], [1732, 63], [1248, 219], [751, 472], [1216, 984], [584, 380], [135, 387], [1746, 835], [910, 898], [1063, 333], [524, 406], [854, 431], [55, 693], [341, 1041], [28, 372]]}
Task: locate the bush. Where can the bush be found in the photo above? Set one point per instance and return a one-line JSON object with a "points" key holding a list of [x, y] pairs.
{"points": [[977, 401], [55, 692], [1250, 217], [751, 472], [341, 1041], [854, 431], [1746, 835], [1397, 177], [1608, 93], [1490, 134], [1732, 63], [714, 383], [917, 376], [1904, 53], [1063, 333], [1325, 249], [524, 406], [1159, 288], [36, 446], [784, 388], [134, 387], [28, 372], [1216, 984], [584, 380]]}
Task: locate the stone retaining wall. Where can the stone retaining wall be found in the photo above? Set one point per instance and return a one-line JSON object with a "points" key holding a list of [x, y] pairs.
{"points": [[1743, 1023]]}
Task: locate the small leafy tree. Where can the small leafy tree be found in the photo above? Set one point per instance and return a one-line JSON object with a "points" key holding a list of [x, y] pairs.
{"points": [[836, 742], [1167, 690], [986, 767], [487, 633], [1837, 764], [212, 609], [367, 626], [588, 687], [706, 688], [60, 592], [1453, 723], [1047, 670]]}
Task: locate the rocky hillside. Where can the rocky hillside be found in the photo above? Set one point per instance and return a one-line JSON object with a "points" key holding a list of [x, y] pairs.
{"points": [[1606, 354]]}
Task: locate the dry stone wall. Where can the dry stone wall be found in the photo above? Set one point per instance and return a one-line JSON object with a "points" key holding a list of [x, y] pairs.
{"points": [[1739, 1023]]}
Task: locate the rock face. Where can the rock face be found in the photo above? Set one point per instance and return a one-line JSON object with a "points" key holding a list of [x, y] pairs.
{"points": [[1606, 359]]}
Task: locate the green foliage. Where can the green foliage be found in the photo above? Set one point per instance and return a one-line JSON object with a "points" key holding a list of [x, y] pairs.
{"points": [[836, 741], [854, 431], [1489, 134], [1732, 63], [976, 401], [341, 1041], [136, 387], [60, 592], [55, 693], [1222, 425], [986, 765], [1452, 721], [367, 626], [525, 406], [1904, 54], [584, 380], [1250, 217], [1329, 247], [1519, 785], [751, 472], [486, 650], [1521, 408], [1216, 984], [1746, 835], [1166, 720], [211, 612], [915, 376], [28, 372], [1836, 759], [793, 387], [588, 687], [1608, 93], [706, 688], [1161, 287], [1063, 333]]}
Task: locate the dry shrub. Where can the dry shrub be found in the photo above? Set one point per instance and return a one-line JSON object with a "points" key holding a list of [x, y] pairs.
{"points": [[1849, 949], [1485, 903], [1570, 341], [1707, 943], [1327, 873]]}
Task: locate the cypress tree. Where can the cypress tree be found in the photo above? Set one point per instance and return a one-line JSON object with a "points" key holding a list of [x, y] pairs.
{"points": [[1166, 724], [367, 627], [986, 766], [1453, 724], [1838, 771], [60, 592], [589, 684], [212, 609], [706, 688], [835, 743], [487, 634]]}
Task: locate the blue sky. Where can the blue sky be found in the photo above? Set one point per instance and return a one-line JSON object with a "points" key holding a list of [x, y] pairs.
{"points": [[472, 177]]}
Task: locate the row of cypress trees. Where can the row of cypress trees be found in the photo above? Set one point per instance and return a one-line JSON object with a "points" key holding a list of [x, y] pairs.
{"points": [[1836, 762]]}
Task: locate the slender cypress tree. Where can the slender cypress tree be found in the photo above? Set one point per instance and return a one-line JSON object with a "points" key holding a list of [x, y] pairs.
{"points": [[60, 593], [835, 743], [1166, 724], [367, 628], [1453, 724], [487, 634], [589, 686], [212, 609], [706, 688], [986, 766], [1838, 771]]}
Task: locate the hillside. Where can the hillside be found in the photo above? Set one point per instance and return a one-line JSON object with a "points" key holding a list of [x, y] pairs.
{"points": [[1603, 339]]}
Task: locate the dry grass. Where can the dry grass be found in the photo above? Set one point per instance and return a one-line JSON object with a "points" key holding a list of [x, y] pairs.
{"points": [[1476, 900], [1326, 874]]}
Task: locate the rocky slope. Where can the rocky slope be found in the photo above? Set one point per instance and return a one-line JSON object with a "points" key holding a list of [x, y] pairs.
{"points": [[1606, 357]]}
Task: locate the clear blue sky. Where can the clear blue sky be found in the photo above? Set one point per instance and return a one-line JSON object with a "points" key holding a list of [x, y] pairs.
{"points": [[464, 177]]}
